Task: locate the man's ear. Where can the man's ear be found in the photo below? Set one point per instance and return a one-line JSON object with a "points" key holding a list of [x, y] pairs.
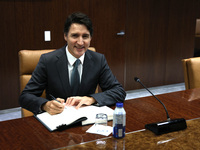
{"points": [[65, 37]]}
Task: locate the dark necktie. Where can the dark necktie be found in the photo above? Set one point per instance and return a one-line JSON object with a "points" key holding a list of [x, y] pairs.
{"points": [[75, 78]]}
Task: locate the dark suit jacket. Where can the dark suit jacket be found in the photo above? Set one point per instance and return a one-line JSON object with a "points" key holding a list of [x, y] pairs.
{"points": [[51, 74]]}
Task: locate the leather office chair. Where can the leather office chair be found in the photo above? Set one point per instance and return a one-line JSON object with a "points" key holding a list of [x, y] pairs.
{"points": [[191, 68], [28, 59]]}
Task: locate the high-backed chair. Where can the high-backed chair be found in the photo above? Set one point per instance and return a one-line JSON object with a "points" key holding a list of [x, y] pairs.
{"points": [[28, 59], [191, 68]]}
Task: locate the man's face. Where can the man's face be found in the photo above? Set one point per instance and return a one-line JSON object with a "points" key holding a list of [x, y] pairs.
{"points": [[78, 39]]}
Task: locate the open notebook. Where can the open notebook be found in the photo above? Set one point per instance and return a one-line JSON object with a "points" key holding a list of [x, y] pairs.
{"points": [[71, 116]]}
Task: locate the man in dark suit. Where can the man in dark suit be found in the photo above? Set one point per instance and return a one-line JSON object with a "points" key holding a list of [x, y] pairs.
{"points": [[54, 74]]}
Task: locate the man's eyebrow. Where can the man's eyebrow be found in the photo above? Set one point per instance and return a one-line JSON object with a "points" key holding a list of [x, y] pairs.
{"points": [[80, 34], [86, 34]]}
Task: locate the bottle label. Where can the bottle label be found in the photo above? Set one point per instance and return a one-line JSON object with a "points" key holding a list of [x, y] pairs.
{"points": [[119, 131]]}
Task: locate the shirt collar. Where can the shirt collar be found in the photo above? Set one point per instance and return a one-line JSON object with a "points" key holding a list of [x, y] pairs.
{"points": [[72, 59]]}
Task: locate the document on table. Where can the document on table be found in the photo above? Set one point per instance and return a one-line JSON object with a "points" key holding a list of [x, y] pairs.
{"points": [[72, 116]]}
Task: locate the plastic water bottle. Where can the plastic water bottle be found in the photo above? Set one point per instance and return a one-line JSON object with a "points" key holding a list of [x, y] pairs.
{"points": [[119, 121]]}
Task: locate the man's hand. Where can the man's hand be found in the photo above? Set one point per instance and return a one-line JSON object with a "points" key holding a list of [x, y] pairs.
{"points": [[53, 107], [79, 101]]}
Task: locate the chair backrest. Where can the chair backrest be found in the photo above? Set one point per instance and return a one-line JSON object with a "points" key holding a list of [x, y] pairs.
{"points": [[28, 59], [191, 68]]}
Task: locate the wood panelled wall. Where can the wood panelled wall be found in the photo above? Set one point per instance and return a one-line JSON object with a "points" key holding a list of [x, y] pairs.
{"points": [[158, 34]]}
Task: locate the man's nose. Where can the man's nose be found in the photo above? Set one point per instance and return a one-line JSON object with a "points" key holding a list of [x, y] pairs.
{"points": [[80, 41]]}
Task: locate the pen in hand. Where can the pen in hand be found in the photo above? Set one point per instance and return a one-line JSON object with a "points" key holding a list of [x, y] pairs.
{"points": [[54, 98]]}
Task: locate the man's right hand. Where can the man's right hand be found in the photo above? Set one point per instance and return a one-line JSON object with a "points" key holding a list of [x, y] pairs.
{"points": [[53, 107]]}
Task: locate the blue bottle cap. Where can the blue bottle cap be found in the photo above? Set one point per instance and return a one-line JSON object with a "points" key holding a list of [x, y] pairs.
{"points": [[119, 104]]}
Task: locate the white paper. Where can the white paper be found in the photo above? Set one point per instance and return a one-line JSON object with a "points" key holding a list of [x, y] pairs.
{"points": [[70, 114], [100, 129]]}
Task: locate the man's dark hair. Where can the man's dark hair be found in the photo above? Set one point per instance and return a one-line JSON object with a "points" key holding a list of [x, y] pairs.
{"points": [[79, 18]]}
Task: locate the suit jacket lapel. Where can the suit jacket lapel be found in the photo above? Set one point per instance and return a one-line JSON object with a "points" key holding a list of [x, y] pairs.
{"points": [[87, 66], [62, 67]]}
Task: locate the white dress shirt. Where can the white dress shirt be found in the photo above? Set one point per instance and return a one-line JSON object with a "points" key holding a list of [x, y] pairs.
{"points": [[71, 60]]}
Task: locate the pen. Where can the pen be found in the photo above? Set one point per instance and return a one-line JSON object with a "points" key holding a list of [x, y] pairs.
{"points": [[53, 98]]}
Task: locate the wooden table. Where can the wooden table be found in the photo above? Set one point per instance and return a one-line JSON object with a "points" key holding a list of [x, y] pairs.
{"points": [[188, 139], [28, 133]]}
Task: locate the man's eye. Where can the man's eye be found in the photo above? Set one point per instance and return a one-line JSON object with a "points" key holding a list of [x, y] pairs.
{"points": [[74, 35], [85, 36]]}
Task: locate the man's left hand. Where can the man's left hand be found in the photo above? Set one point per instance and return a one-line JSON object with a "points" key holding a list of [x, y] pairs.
{"points": [[79, 101]]}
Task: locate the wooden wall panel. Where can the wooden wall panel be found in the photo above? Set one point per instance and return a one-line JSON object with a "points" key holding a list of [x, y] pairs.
{"points": [[8, 62], [160, 34], [35, 17], [180, 41], [109, 19]]}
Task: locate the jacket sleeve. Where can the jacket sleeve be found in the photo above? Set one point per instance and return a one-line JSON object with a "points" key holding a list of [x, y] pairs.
{"points": [[112, 90]]}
